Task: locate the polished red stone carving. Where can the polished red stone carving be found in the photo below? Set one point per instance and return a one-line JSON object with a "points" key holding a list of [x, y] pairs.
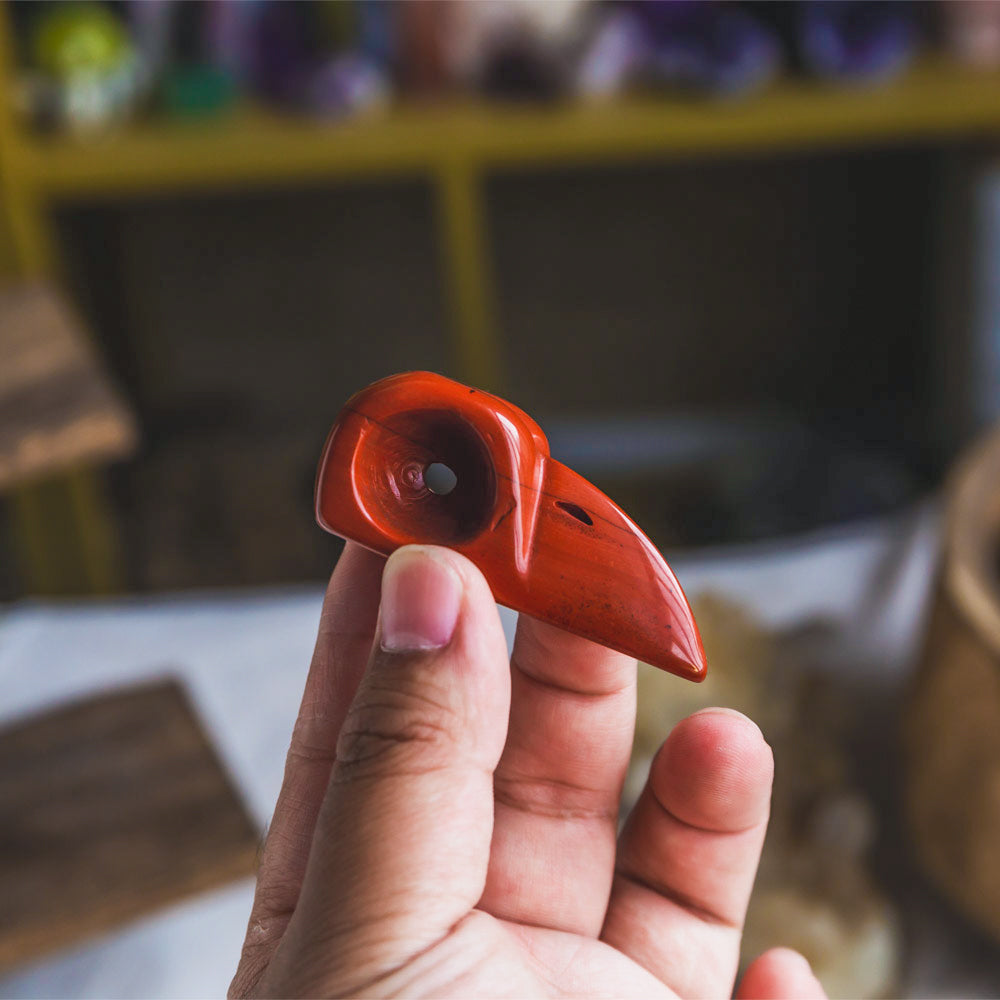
{"points": [[548, 542]]}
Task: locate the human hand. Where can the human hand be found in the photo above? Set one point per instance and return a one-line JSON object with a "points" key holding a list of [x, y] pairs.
{"points": [[448, 821]]}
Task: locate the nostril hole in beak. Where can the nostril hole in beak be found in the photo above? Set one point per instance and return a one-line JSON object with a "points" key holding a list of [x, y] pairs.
{"points": [[574, 511], [440, 479]]}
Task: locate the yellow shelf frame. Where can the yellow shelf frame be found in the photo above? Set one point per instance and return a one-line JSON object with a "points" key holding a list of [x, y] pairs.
{"points": [[934, 102], [454, 146]]}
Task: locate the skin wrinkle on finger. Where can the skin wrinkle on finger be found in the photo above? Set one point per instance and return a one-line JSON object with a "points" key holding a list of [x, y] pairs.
{"points": [[651, 800], [701, 956], [582, 726], [374, 754], [427, 716], [686, 903], [573, 699], [578, 784], [713, 831], [535, 805], [565, 743], [689, 850], [566, 759], [377, 718], [384, 686], [566, 690], [711, 889], [542, 650], [310, 743]]}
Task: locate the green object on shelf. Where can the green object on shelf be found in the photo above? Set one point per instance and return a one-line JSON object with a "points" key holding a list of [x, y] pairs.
{"points": [[196, 91], [80, 38]]}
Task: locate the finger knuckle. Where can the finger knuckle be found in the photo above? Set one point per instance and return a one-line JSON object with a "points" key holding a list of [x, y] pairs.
{"points": [[394, 730], [549, 797]]}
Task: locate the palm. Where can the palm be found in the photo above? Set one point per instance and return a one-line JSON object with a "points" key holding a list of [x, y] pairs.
{"points": [[448, 823], [525, 962], [535, 962]]}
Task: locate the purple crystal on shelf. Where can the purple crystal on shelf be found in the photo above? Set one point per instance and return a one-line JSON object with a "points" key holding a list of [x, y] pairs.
{"points": [[708, 45], [296, 64], [346, 83], [860, 39]]}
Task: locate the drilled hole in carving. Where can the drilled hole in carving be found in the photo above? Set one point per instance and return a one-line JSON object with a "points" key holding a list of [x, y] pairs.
{"points": [[440, 478], [574, 511]]}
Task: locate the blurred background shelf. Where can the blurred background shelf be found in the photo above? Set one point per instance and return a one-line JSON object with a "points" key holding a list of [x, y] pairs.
{"points": [[935, 102], [658, 255]]}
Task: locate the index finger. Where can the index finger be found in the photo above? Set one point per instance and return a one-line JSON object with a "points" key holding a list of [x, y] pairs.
{"points": [[346, 631]]}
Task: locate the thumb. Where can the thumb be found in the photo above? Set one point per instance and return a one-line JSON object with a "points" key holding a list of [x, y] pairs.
{"points": [[402, 842]]}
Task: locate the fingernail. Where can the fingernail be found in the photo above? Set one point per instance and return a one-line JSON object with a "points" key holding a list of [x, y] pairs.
{"points": [[421, 595]]}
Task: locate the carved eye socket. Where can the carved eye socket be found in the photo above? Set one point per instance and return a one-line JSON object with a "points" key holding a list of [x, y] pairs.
{"points": [[431, 478]]}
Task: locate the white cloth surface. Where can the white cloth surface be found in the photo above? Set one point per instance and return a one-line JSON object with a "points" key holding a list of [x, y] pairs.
{"points": [[243, 658]]}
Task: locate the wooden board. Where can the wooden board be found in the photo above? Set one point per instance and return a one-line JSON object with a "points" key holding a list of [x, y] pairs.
{"points": [[109, 808], [57, 406]]}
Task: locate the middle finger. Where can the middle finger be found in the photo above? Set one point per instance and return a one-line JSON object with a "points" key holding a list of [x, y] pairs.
{"points": [[559, 781]]}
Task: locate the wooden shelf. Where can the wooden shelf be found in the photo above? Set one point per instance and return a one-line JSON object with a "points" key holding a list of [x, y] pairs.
{"points": [[935, 102]]}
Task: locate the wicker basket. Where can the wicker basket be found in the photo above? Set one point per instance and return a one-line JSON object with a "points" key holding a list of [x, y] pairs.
{"points": [[952, 721]]}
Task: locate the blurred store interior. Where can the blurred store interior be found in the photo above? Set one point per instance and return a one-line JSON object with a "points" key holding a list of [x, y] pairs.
{"points": [[740, 260]]}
